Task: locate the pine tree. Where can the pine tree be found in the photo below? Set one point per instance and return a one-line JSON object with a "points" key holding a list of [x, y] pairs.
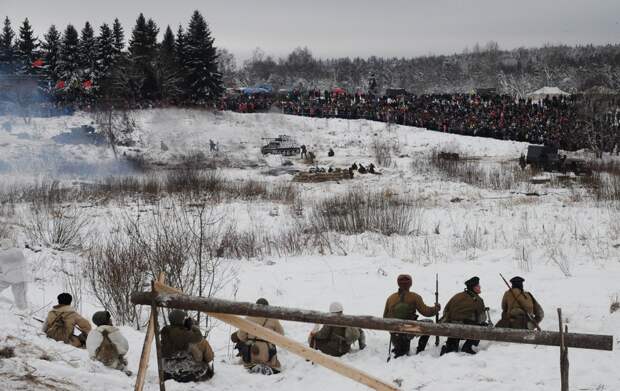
{"points": [[143, 51], [68, 66], [26, 46], [105, 53], [119, 37], [141, 47], [180, 48], [180, 57], [167, 45], [87, 50], [7, 48], [51, 53], [168, 79], [202, 76]]}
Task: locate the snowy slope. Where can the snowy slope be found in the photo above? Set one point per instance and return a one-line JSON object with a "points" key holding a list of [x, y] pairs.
{"points": [[588, 236]]}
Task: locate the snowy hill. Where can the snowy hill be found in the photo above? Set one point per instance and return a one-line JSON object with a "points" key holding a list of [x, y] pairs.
{"points": [[563, 243]]}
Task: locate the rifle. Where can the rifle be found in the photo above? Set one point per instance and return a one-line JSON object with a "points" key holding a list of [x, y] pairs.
{"points": [[436, 304], [529, 316], [486, 309], [390, 349], [42, 321]]}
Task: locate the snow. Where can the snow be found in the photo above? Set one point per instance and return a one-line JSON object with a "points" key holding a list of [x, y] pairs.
{"points": [[568, 251]]}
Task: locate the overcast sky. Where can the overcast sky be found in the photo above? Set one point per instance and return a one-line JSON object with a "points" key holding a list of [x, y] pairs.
{"points": [[334, 28]]}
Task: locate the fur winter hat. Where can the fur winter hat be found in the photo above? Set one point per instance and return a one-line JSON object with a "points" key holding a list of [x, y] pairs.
{"points": [[404, 281], [65, 298], [177, 317], [335, 308], [517, 282], [102, 318], [472, 282]]}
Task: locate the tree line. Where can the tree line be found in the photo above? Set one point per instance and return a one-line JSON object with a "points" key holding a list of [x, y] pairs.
{"points": [[89, 67], [515, 72]]}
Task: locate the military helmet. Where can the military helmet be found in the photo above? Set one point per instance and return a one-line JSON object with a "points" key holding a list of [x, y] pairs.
{"points": [[177, 317]]}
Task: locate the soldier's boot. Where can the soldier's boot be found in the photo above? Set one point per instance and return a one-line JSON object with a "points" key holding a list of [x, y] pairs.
{"points": [[452, 345], [468, 347], [401, 345], [422, 342]]}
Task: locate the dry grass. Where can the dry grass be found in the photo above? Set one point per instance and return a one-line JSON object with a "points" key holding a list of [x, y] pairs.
{"points": [[357, 212], [498, 176]]}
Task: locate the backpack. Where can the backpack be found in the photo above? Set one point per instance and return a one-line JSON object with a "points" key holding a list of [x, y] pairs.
{"points": [[57, 330], [402, 310], [107, 352]]}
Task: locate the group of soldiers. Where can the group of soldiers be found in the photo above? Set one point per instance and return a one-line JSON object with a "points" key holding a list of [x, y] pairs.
{"points": [[188, 356]]}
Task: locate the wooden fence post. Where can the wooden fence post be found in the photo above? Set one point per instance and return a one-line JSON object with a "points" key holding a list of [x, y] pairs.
{"points": [[146, 348], [160, 368], [563, 353]]}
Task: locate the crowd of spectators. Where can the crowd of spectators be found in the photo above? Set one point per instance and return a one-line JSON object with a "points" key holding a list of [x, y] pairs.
{"points": [[557, 121]]}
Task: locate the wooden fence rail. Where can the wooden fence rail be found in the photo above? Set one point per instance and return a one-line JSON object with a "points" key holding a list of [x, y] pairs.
{"points": [[549, 338]]}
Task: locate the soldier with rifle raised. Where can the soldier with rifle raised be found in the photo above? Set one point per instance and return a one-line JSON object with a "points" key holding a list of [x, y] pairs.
{"points": [[520, 310]]}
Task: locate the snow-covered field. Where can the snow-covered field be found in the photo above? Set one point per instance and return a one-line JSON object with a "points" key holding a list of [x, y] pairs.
{"points": [[566, 247]]}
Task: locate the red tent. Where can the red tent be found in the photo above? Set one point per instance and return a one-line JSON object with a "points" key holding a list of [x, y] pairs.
{"points": [[60, 84], [38, 63], [87, 84]]}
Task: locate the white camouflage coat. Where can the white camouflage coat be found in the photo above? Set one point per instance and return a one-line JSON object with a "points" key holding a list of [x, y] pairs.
{"points": [[95, 338], [13, 266]]}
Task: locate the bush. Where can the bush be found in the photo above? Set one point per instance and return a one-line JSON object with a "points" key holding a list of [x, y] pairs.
{"points": [[116, 268], [382, 151], [356, 212], [52, 225], [504, 176]]}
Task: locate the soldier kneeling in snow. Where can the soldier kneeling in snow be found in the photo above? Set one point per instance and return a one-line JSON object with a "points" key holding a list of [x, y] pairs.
{"points": [[259, 356], [334, 340], [187, 356], [106, 343], [14, 272]]}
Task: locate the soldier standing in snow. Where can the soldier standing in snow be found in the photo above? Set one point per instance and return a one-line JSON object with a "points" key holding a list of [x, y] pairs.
{"points": [[518, 306], [334, 340], [404, 305], [466, 308], [14, 272], [304, 153], [62, 320], [106, 343]]}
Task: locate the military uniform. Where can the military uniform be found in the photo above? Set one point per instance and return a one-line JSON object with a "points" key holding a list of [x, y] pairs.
{"points": [[70, 320], [402, 342], [186, 354], [517, 305], [333, 340], [261, 352], [466, 308]]}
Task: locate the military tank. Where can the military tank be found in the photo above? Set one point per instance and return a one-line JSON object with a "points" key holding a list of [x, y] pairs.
{"points": [[547, 158], [281, 145]]}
